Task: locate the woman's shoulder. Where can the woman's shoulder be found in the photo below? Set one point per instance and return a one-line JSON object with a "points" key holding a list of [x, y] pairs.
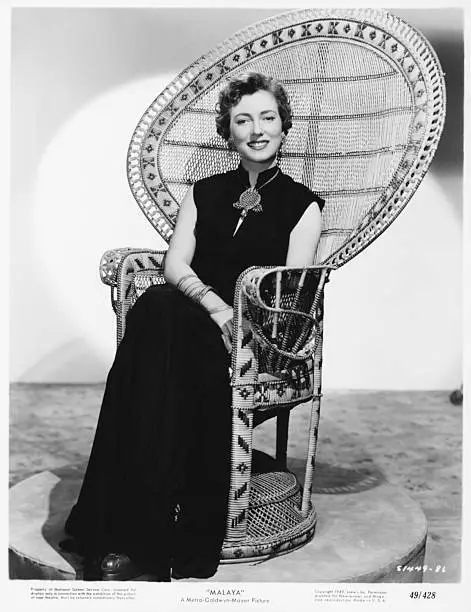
{"points": [[302, 194], [208, 191], [214, 180]]}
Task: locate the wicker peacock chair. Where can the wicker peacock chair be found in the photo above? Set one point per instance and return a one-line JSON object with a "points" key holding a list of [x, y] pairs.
{"points": [[368, 98]]}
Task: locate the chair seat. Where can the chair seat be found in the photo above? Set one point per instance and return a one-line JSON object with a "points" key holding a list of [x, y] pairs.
{"points": [[271, 390]]}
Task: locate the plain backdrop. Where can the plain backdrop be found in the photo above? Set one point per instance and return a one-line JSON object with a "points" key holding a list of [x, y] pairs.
{"points": [[81, 79]]}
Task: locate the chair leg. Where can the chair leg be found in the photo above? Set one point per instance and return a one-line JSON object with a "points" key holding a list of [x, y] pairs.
{"points": [[282, 425], [313, 427], [241, 460]]}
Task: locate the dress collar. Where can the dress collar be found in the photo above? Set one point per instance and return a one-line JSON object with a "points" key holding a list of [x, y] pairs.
{"points": [[262, 178]]}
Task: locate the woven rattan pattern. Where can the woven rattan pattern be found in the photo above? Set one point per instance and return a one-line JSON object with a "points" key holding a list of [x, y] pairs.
{"points": [[272, 487], [288, 320], [368, 100], [369, 103], [266, 521], [274, 515]]}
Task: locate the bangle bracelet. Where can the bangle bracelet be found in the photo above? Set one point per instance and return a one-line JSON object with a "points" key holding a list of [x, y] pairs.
{"points": [[184, 279], [201, 293], [190, 285], [193, 287], [218, 309]]}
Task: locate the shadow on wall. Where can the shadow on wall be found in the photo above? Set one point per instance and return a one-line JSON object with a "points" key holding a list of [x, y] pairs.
{"points": [[449, 157], [444, 31], [93, 50], [77, 356], [64, 57], [78, 73]]}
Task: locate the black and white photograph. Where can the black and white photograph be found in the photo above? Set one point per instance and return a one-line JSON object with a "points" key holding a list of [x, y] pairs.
{"points": [[236, 306]]}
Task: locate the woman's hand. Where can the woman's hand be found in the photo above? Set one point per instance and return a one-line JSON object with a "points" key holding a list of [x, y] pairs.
{"points": [[224, 320]]}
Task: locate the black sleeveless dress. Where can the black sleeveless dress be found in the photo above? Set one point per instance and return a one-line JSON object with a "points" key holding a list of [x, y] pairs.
{"points": [[164, 432]]}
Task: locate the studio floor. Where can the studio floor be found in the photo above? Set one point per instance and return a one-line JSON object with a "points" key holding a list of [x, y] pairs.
{"points": [[414, 439]]}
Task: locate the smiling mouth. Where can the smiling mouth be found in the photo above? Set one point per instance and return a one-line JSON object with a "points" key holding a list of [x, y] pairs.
{"points": [[257, 144]]}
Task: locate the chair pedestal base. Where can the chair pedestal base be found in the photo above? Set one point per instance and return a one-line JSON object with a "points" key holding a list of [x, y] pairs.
{"points": [[253, 550], [364, 532]]}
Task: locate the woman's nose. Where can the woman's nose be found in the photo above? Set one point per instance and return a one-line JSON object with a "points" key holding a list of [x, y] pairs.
{"points": [[256, 128]]}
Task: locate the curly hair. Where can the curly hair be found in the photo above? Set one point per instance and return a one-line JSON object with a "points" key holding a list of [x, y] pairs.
{"points": [[247, 84]]}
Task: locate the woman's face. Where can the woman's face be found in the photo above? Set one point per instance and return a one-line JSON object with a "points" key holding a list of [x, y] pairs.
{"points": [[256, 127]]}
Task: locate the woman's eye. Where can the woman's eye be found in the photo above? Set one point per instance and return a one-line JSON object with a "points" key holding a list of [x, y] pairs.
{"points": [[270, 118], [241, 121]]}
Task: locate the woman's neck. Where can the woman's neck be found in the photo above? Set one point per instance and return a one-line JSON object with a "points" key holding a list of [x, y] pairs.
{"points": [[254, 168]]}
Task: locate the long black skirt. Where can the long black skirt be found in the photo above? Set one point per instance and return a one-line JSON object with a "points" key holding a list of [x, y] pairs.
{"points": [[162, 443]]}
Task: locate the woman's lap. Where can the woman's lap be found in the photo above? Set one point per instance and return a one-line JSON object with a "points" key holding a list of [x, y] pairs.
{"points": [[163, 435]]}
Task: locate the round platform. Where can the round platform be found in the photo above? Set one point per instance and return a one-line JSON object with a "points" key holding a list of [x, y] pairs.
{"points": [[366, 528]]}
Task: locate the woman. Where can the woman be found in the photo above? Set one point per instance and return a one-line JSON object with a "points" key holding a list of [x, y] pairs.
{"points": [[162, 442]]}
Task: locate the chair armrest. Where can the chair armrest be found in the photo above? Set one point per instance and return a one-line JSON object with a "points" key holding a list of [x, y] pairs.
{"points": [[111, 260], [284, 307], [129, 272]]}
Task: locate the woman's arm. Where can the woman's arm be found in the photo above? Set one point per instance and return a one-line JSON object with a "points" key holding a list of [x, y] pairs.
{"points": [[182, 244], [304, 238], [178, 265]]}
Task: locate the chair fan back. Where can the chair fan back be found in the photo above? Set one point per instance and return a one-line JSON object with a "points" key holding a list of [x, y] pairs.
{"points": [[368, 100]]}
